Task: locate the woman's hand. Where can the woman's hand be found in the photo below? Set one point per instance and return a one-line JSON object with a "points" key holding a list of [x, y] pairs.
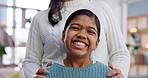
{"points": [[41, 71], [115, 73]]}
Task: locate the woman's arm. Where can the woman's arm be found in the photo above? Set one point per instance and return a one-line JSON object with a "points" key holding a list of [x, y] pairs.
{"points": [[119, 55], [34, 50]]}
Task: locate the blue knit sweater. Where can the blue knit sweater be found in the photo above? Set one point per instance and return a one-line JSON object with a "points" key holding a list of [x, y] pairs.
{"points": [[96, 70]]}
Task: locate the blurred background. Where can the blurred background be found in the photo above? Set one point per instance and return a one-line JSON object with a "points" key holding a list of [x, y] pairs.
{"points": [[16, 16]]}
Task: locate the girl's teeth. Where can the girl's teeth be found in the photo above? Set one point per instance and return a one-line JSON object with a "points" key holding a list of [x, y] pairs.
{"points": [[79, 43]]}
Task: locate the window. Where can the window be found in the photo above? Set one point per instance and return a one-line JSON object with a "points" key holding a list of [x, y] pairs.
{"points": [[15, 20]]}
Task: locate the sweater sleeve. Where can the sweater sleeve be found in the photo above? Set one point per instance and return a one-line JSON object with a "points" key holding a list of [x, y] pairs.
{"points": [[34, 50], [118, 53]]}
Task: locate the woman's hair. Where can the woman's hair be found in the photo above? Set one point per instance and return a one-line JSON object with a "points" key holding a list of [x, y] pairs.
{"points": [[83, 12], [54, 14]]}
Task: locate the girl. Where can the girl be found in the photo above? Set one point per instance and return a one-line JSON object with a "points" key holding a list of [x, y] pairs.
{"points": [[80, 37]]}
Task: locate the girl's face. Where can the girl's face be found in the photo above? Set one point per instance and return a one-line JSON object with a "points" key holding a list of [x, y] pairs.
{"points": [[81, 36]]}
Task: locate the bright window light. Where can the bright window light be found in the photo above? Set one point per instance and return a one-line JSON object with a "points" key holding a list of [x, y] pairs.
{"points": [[35, 4], [9, 17], [9, 31], [10, 2], [18, 18]]}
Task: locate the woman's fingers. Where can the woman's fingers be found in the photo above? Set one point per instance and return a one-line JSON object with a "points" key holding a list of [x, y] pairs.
{"points": [[41, 71], [111, 66], [118, 76], [49, 64], [115, 73], [38, 76]]}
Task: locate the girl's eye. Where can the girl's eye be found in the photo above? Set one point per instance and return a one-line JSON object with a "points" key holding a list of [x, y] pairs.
{"points": [[91, 32], [74, 27]]}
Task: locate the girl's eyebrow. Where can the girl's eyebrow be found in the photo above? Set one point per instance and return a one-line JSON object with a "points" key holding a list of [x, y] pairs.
{"points": [[75, 24]]}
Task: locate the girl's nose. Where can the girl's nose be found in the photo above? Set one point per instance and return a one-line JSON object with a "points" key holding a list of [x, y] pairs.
{"points": [[81, 35]]}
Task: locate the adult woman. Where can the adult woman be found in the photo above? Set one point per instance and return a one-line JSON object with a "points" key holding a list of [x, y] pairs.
{"points": [[44, 42]]}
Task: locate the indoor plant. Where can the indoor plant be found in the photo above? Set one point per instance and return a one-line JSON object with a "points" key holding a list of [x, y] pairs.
{"points": [[2, 52]]}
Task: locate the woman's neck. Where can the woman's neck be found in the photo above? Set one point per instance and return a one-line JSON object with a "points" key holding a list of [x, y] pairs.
{"points": [[77, 62]]}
